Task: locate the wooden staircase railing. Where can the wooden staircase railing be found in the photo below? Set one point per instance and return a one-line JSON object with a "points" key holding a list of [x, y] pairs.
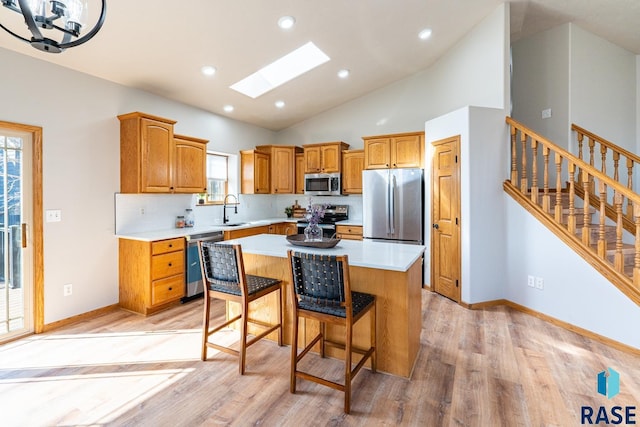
{"points": [[604, 147], [569, 211]]}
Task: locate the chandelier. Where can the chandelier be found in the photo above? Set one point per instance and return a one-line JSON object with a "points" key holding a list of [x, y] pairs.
{"points": [[66, 18]]}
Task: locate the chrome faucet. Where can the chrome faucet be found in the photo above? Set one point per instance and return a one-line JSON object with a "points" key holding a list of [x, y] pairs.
{"points": [[225, 218]]}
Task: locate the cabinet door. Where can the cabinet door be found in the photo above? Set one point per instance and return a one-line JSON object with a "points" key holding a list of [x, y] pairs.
{"points": [[352, 166], [300, 173], [407, 151], [312, 160], [283, 170], [157, 156], [190, 173], [377, 153], [330, 158], [262, 173]]}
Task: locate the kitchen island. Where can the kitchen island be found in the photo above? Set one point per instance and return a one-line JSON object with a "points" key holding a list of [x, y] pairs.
{"points": [[391, 272]]}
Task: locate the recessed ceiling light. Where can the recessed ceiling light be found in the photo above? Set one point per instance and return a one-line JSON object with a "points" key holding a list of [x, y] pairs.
{"points": [[425, 34], [286, 22], [208, 70], [290, 66], [228, 108], [344, 73], [279, 104]]}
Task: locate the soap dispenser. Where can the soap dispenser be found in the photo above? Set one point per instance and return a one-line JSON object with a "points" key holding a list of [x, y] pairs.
{"points": [[188, 218]]}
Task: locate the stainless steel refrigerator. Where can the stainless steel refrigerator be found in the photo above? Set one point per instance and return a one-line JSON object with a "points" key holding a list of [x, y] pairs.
{"points": [[392, 205]]}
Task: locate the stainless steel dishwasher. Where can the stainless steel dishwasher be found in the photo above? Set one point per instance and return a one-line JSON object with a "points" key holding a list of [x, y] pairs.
{"points": [[194, 283]]}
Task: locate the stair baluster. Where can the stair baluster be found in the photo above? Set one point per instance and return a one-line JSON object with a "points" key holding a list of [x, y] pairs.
{"points": [[602, 242], [534, 172], [618, 261], [630, 211], [558, 207], [586, 184], [571, 223], [514, 161], [524, 185], [546, 200], [636, 260]]}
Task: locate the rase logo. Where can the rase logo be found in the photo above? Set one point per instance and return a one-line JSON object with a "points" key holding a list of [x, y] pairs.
{"points": [[608, 384]]}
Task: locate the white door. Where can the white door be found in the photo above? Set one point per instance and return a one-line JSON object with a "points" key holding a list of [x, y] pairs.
{"points": [[16, 275]]}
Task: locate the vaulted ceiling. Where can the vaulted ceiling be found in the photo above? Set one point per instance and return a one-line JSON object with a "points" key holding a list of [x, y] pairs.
{"points": [[159, 46]]}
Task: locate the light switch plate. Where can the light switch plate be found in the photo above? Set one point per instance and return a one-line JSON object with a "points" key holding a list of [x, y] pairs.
{"points": [[53, 215]]}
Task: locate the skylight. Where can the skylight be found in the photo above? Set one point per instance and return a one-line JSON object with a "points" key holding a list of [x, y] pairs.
{"points": [[290, 66]]}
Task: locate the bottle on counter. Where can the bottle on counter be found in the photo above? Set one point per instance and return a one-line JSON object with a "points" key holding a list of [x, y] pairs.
{"points": [[188, 218], [180, 221]]}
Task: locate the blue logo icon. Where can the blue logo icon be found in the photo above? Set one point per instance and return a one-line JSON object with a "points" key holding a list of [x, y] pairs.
{"points": [[609, 384]]}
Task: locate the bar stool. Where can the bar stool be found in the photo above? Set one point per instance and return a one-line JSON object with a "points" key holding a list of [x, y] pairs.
{"points": [[321, 290], [224, 276]]}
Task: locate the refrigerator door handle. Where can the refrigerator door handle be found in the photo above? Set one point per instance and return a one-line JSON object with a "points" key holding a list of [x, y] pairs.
{"points": [[392, 208]]}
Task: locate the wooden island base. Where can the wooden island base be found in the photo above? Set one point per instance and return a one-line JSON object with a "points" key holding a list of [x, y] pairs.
{"points": [[398, 315]]}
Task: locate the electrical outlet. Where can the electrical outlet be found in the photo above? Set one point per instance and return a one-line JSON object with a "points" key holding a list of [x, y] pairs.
{"points": [[546, 113], [539, 283], [141, 211], [531, 281], [67, 289]]}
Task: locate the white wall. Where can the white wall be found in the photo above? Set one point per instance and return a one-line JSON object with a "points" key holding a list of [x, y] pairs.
{"points": [[541, 80], [81, 163], [483, 166], [574, 292], [603, 88], [473, 72]]}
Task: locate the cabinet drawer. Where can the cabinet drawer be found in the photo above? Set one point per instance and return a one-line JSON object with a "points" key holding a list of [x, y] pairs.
{"points": [[165, 265], [168, 289], [164, 246], [349, 232]]}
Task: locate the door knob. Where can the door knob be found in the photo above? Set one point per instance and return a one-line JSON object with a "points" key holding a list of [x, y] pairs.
{"points": [[435, 226]]}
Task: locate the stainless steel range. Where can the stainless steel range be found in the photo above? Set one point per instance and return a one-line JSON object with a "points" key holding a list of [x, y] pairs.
{"points": [[332, 214]]}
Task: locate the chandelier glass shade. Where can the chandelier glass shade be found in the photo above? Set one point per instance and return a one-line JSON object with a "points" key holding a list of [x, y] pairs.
{"points": [[63, 20]]}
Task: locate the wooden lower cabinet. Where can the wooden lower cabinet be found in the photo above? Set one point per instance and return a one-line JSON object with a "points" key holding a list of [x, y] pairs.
{"points": [[349, 232], [151, 274], [245, 232], [285, 228]]}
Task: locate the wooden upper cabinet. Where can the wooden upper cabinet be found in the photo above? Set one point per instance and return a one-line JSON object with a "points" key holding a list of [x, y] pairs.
{"points": [[405, 150], [324, 158], [377, 153], [146, 153], [283, 167], [154, 160], [190, 173], [255, 172], [299, 173], [352, 166]]}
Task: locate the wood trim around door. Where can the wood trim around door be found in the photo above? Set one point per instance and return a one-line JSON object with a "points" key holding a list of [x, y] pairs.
{"points": [[446, 267], [37, 226]]}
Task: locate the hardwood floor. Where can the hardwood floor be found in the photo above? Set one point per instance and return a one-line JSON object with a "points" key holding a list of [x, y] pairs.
{"points": [[486, 367]]}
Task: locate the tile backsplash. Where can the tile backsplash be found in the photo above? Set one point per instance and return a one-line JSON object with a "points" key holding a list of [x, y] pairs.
{"points": [[148, 212]]}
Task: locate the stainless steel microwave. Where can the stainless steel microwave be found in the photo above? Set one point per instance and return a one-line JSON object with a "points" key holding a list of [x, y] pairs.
{"points": [[322, 184]]}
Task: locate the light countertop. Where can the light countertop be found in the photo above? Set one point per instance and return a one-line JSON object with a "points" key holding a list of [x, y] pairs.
{"points": [[379, 255], [171, 233]]}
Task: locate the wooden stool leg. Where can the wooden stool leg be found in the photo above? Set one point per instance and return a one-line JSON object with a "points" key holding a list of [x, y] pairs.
{"points": [[373, 337], [294, 352], [323, 331], [347, 368], [243, 336], [205, 325], [280, 316]]}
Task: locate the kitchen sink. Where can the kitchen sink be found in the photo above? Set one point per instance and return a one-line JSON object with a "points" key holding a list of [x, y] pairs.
{"points": [[235, 224]]}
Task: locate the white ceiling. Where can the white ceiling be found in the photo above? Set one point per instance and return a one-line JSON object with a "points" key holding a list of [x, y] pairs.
{"points": [[160, 45]]}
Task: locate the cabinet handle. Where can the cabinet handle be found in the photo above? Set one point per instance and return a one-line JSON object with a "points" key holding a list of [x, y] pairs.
{"points": [[170, 245], [170, 188], [170, 288], [394, 165], [276, 190], [170, 264], [387, 164]]}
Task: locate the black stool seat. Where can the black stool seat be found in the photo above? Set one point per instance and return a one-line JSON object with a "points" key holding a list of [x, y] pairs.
{"points": [[255, 284], [359, 301]]}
